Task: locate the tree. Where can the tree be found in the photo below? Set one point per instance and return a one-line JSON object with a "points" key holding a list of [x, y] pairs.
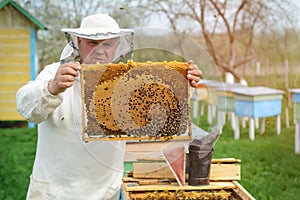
{"points": [[227, 28], [230, 31]]}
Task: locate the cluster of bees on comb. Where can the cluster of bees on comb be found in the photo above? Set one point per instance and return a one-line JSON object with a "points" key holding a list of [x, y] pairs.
{"points": [[133, 99], [184, 195]]}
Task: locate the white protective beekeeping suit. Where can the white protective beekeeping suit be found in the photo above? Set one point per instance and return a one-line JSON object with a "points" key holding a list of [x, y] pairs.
{"points": [[65, 167]]}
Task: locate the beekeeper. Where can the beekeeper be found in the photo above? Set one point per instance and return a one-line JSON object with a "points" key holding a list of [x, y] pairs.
{"points": [[65, 167]]}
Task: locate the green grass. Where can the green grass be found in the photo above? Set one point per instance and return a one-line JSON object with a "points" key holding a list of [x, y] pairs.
{"points": [[270, 169], [269, 166], [17, 152]]}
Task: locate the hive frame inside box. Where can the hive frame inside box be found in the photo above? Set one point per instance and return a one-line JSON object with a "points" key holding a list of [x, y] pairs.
{"points": [[224, 176], [234, 188], [97, 76]]}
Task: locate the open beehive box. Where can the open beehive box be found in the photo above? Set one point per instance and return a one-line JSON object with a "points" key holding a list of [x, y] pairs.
{"points": [[149, 177], [135, 101]]}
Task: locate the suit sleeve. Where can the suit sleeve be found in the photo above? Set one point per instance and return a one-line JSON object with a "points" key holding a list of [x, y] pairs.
{"points": [[34, 101]]}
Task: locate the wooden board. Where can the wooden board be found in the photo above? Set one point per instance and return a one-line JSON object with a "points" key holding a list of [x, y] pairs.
{"points": [[242, 192], [135, 101], [174, 186], [160, 170]]}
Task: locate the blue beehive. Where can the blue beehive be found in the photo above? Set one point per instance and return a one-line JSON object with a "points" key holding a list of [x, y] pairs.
{"points": [[256, 102], [296, 99]]}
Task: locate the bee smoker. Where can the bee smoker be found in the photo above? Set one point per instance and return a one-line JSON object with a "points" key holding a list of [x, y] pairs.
{"points": [[199, 159]]}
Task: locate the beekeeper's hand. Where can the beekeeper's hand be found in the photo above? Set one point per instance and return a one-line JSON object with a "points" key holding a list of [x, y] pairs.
{"points": [[64, 78], [194, 74]]}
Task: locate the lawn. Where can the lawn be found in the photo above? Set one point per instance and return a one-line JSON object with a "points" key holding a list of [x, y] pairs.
{"points": [[269, 165], [270, 169], [17, 152]]}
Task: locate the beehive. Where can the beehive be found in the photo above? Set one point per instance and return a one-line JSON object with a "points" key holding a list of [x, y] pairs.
{"points": [[221, 190], [18, 56], [135, 100], [148, 175]]}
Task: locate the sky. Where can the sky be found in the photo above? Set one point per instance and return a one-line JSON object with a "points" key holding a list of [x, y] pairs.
{"points": [[156, 21], [296, 2]]}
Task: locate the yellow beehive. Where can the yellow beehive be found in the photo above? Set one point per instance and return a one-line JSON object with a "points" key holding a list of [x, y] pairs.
{"points": [[17, 55]]}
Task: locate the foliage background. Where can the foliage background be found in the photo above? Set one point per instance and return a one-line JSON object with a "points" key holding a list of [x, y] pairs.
{"points": [[272, 40]]}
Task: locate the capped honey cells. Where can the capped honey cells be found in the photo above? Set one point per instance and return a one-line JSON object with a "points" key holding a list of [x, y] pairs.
{"points": [[135, 100]]}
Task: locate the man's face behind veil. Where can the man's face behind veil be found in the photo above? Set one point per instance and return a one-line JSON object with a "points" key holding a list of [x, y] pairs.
{"points": [[93, 51]]}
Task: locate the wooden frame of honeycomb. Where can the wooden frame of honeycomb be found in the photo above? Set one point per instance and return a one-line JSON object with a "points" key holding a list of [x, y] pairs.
{"points": [[135, 101], [229, 190]]}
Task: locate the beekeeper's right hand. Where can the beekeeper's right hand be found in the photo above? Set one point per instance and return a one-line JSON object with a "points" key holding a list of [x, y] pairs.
{"points": [[64, 78]]}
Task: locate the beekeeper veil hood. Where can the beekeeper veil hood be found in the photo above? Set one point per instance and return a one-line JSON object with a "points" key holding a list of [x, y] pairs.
{"points": [[98, 27]]}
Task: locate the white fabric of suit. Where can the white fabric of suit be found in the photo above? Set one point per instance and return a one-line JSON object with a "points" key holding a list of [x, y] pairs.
{"points": [[65, 167]]}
